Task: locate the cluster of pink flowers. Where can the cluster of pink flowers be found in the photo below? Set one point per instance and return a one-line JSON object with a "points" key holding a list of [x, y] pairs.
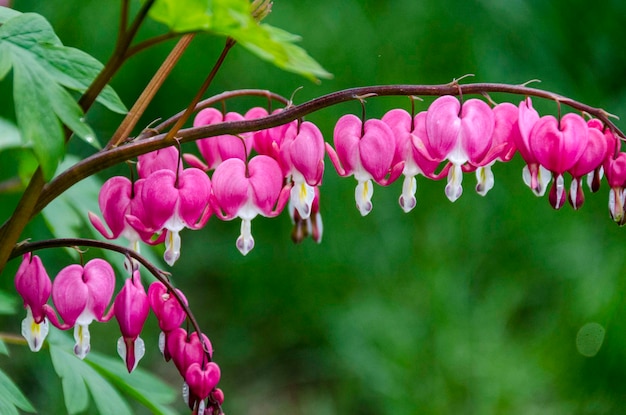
{"points": [[259, 173], [81, 295], [262, 172]]}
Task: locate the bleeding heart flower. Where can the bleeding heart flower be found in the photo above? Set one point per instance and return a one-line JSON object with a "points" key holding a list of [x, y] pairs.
{"points": [[410, 134], [303, 157], [615, 170], [591, 159], [175, 202], [365, 150], [534, 175], [81, 295], [166, 158], [460, 134], [247, 191], [187, 349], [201, 379], [557, 145], [34, 286]]}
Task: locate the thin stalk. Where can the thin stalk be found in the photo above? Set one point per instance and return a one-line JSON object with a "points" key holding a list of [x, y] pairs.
{"points": [[135, 113], [230, 42]]}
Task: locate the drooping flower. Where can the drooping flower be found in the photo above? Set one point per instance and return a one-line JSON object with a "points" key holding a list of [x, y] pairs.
{"points": [[615, 170], [409, 134], [303, 158], [505, 134], [34, 286], [173, 202], [131, 311], [81, 295], [535, 176], [557, 145], [365, 150], [170, 314], [201, 379], [247, 191], [460, 134], [186, 348], [591, 159]]}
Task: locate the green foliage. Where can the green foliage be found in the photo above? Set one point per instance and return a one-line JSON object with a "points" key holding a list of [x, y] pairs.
{"points": [[11, 398], [232, 18], [42, 70], [104, 378]]}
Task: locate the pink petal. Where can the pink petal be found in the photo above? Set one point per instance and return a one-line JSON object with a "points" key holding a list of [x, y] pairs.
{"points": [[377, 148], [266, 182], [443, 126], [230, 186], [346, 137]]}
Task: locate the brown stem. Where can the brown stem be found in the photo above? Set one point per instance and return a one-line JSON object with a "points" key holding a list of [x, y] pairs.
{"points": [[131, 119]]}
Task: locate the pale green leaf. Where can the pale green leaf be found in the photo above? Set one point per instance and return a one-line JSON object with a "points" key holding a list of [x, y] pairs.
{"points": [[35, 117], [183, 15], [3, 349], [10, 393], [7, 13], [78, 376]]}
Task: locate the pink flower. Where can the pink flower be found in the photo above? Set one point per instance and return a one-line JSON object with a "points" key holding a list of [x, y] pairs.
{"points": [[557, 145], [187, 349], [131, 311], [365, 150], [534, 175], [33, 285], [81, 295], [247, 191], [615, 170], [591, 159], [216, 149], [409, 134], [505, 134], [201, 379], [268, 142], [460, 134], [303, 159], [173, 202]]}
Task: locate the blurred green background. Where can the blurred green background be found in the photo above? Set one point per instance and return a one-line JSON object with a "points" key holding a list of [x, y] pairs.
{"points": [[474, 307]]}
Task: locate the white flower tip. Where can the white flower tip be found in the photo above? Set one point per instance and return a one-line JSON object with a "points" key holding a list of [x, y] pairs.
{"points": [[34, 333]]}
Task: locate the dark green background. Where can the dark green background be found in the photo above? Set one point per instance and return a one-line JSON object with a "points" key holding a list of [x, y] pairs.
{"points": [[470, 307]]}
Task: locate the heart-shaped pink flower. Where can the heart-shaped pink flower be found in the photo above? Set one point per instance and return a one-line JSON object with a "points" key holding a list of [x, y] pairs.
{"points": [[201, 379], [186, 349]]}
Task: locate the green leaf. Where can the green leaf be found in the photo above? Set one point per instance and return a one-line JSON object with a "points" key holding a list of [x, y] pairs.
{"points": [[276, 46], [3, 348], [232, 18], [144, 387], [43, 68], [9, 135], [11, 397], [77, 377], [7, 13], [35, 116]]}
